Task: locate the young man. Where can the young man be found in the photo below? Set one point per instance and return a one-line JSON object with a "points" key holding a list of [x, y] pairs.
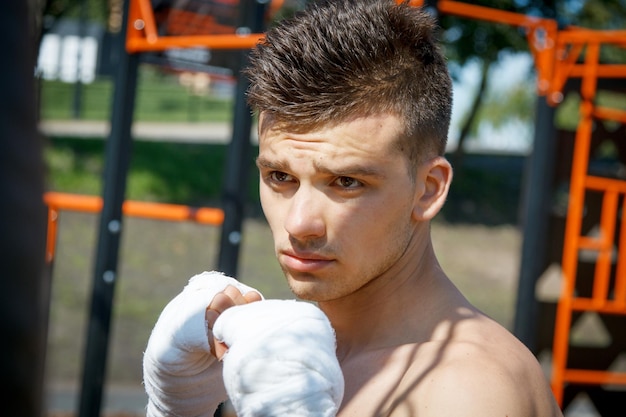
{"points": [[354, 102]]}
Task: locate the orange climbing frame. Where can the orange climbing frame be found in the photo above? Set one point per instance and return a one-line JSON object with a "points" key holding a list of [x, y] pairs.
{"points": [[557, 55], [610, 258], [142, 34]]}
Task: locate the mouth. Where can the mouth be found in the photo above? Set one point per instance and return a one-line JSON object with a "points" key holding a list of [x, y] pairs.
{"points": [[303, 262]]}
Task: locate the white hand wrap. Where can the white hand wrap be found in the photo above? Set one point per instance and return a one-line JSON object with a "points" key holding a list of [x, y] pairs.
{"points": [[281, 360], [181, 377]]}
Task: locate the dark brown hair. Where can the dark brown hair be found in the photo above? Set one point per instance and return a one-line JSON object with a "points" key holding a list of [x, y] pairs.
{"points": [[339, 60]]}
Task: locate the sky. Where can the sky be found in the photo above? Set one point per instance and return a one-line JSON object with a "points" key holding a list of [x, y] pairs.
{"points": [[514, 137]]}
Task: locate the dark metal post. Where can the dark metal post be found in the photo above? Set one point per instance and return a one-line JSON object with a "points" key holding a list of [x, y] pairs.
{"points": [[235, 184], [118, 150], [24, 284], [78, 84], [538, 178]]}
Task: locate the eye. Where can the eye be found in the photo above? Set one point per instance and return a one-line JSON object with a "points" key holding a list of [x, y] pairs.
{"points": [[348, 182], [278, 176]]}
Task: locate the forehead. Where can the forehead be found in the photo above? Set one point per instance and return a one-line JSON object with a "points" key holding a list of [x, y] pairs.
{"points": [[370, 137]]}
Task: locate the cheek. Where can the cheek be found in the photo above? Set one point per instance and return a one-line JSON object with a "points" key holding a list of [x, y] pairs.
{"points": [[271, 208], [385, 223]]}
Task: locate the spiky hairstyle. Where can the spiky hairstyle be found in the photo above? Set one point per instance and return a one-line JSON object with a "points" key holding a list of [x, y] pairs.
{"points": [[343, 59]]}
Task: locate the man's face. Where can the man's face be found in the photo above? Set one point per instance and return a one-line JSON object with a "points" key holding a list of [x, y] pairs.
{"points": [[339, 202]]}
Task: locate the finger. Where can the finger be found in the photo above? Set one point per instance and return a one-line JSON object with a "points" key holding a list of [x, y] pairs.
{"points": [[221, 302], [220, 349], [234, 295], [252, 296], [225, 299], [210, 316]]}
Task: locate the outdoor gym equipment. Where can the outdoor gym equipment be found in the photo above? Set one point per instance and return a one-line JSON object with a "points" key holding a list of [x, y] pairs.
{"points": [[563, 57]]}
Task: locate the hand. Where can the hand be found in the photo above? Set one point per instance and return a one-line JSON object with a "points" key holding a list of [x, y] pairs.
{"points": [[222, 301], [181, 376], [281, 359]]}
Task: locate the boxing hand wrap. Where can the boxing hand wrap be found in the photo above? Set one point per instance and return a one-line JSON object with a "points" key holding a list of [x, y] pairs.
{"points": [[181, 376], [281, 360]]}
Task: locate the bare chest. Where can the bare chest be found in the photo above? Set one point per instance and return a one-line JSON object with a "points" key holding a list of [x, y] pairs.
{"points": [[379, 383]]}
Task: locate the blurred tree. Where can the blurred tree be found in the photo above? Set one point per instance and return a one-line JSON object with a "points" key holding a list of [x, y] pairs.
{"points": [[469, 40], [95, 10]]}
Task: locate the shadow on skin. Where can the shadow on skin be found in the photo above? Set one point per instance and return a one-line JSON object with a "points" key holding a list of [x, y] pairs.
{"points": [[394, 398]]}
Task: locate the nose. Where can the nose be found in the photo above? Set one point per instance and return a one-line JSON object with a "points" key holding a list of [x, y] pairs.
{"points": [[305, 218]]}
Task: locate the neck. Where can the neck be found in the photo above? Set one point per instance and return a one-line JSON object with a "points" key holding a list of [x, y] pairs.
{"points": [[394, 308]]}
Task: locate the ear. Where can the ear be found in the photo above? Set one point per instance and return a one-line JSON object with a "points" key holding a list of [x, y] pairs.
{"points": [[432, 184]]}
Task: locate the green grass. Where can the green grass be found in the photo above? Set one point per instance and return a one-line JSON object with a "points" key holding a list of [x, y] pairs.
{"points": [[159, 97], [177, 173]]}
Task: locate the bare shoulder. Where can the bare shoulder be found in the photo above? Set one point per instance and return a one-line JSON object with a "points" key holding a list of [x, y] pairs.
{"points": [[482, 369], [476, 368]]}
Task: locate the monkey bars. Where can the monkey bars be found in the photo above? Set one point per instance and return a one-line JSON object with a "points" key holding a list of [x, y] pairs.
{"points": [[57, 202], [143, 35]]}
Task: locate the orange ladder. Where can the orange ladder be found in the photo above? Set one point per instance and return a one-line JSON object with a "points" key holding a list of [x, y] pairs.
{"points": [[607, 245]]}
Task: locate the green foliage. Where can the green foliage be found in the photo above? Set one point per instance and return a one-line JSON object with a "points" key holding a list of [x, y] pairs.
{"points": [[567, 114], [95, 10], [159, 98], [176, 173], [516, 103], [474, 40], [467, 39]]}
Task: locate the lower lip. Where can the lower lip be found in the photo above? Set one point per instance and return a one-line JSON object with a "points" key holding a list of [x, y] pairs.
{"points": [[304, 265]]}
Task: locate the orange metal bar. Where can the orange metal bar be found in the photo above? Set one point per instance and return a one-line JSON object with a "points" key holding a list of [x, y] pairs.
{"points": [[142, 35], [603, 183], [591, 243], [488, 14], [51, 239], [604, 71], [589, 304], [73, 202], [570, 250], [563, 322], [590, 72], [414, 3], [620, 270], [158, 211], [566, 60], [542, 41], [595, 377], [602, 273], [610, 114], [583, 35], [147, 17], [134, 32], [228, 41]]}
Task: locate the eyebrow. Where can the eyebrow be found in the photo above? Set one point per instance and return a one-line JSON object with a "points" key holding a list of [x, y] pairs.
{"points": [[345, 171], [351, 171], [262, 162]]}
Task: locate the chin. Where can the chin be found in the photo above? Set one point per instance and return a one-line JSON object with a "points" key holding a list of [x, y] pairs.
{"points": [[305, 289]]}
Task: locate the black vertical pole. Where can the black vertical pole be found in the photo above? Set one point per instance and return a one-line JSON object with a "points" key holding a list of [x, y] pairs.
{"points": [[118, 150], [539, 174], [24, 284], [78, 84], [235, 185]]}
